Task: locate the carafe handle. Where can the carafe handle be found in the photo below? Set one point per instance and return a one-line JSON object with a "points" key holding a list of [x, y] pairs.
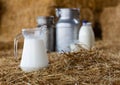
{"points": [[16, 43]]}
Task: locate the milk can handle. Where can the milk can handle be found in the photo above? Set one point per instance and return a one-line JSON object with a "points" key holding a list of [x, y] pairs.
{"points": [[16, 43]]}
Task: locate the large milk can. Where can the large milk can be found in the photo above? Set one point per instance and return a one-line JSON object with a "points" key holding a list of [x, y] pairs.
{"points": [[66, 29]]}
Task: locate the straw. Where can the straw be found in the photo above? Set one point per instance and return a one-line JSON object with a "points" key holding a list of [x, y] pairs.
{"points": [[100, 66]]}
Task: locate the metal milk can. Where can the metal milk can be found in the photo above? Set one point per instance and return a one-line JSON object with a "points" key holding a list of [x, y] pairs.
{"points": [[76, 13], [65, 28], [49, 22]]}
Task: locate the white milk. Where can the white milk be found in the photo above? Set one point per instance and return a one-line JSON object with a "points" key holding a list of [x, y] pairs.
{"points": [[86, 36], [34, 55], [42, 36]]}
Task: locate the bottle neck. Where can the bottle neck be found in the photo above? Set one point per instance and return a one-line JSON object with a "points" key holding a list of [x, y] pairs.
{"points": [[66, 17], [66, 14]]}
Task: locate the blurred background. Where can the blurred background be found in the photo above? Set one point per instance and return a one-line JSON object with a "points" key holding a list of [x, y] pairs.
{"points": [[18, 14]]}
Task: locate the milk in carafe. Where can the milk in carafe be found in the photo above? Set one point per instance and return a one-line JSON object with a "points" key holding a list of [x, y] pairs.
{"points": [[34, 56]]}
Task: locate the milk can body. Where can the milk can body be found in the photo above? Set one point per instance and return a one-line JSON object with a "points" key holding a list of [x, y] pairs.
{"points": [[49, 22], [76, 14], [65, 30]]}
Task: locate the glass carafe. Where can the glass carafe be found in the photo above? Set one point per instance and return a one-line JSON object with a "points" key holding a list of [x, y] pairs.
{"points": [[34, 56]]}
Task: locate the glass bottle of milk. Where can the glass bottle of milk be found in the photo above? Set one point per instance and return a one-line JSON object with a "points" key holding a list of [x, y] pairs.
{"points": [[34, 56], [64, 29], [86, 36]]}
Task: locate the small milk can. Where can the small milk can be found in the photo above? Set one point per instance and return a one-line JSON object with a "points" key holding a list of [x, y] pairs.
{"points": [[48, 21], [76, 13]]}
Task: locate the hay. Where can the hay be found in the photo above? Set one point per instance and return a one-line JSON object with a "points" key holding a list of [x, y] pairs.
{"points": [[21, 14], [110, 19], [97, 67], [15, 15]]}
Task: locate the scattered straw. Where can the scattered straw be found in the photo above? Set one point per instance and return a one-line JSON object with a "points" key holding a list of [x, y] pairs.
{"points": [[95, 67]]}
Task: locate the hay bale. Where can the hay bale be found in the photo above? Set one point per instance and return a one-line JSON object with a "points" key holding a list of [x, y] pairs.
{"points": [[15, 15], [21, 14], [110, 21]]}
